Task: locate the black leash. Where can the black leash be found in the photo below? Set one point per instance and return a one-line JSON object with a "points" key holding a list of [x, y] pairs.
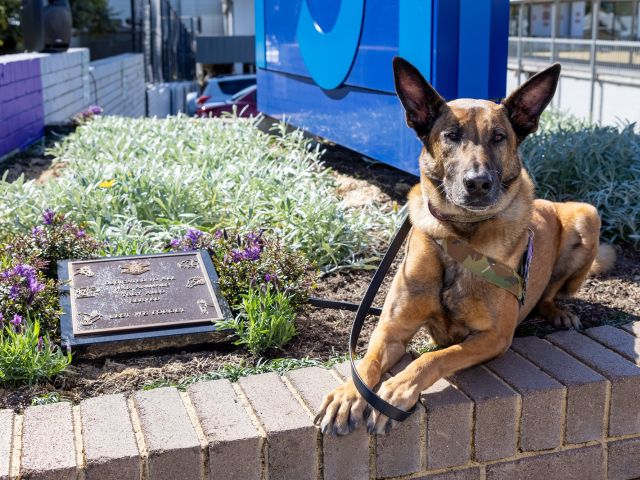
{"points": [[364, 309]]}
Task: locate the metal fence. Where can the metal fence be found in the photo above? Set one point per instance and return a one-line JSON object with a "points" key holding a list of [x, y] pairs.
{"points": [[609, 56], [168, 46]]}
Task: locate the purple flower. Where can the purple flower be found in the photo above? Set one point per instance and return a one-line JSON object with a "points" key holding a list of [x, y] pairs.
{"points": [[95, 109], [48, 216], [175, 243], [37, 231], [271, 278], [40, 343], [17, 320], [1, 320], [80, 233], [218, 235], [14, 293], [193, 235], [237, 256], [252, 253]]}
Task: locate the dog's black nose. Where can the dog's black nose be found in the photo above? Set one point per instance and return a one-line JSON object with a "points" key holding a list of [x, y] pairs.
{"points": [[478, 183]]}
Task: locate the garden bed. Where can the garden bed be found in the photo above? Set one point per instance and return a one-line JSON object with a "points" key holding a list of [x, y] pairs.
{"points": [[365, 188]]}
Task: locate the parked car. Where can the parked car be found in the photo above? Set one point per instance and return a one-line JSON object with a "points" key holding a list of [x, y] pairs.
{"points": [[245, 101], [219, 89]]}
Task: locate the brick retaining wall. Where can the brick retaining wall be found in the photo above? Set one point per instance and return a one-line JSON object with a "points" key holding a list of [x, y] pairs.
{"points": [[566, 407]]}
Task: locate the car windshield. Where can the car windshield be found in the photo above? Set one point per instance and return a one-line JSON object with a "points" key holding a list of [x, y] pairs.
{"points": [[241, 94]]}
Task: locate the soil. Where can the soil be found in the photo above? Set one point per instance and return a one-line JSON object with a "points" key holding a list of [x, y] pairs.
{"points": [[323, 333]]}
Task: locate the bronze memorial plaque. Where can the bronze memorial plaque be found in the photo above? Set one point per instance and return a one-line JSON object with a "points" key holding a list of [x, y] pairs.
{"points": [[110, 295]]}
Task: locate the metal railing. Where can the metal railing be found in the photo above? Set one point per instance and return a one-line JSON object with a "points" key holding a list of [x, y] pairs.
{"points": [[610, 56]]}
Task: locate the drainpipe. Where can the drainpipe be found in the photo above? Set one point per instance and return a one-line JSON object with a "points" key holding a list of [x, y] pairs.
{"points": [[595, 12]]}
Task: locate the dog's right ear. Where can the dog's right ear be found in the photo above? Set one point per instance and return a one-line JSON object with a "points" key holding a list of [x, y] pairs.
{"points": [[420, 100]]}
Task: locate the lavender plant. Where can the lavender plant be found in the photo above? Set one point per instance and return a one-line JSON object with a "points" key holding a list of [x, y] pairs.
{"points": [[27, 355], [252, 261]]}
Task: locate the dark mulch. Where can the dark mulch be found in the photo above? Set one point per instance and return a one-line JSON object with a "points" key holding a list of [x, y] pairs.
{"points": [[610, 299]]}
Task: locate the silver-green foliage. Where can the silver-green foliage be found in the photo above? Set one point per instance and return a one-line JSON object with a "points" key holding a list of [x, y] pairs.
{"points": [[267, 321], [571, 159], [178, 172]]}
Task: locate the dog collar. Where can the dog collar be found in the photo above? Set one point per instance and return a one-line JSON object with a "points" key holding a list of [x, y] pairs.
{"points": [[446, 217], [489, 269]]}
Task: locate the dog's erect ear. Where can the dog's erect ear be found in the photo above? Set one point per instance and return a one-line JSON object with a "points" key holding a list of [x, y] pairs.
{"points": [[527, 103], [419, 99]]}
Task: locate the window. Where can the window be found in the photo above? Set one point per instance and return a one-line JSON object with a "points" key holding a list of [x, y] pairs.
{"points": [[540, 15], [230, 87], [574, 19], [615, 20], [514, 12]]}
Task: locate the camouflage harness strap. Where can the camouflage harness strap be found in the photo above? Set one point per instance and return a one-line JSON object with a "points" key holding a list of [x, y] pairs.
{"points": [[489, 269]]}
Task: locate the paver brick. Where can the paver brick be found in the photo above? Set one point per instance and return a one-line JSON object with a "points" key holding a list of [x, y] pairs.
{"points": [[172, 443], [586, 389], [343, 456], [576, 464], [542, 401], [291, 435], [234, 442], [399, 451], [109, 443], [633, 327], [624, 414], [449, 420], [623, 462], [48, 443], [6, 439], [618, 340], [495, 412], [466, 474]]}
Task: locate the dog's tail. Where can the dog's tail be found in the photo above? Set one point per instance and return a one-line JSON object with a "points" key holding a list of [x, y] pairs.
{"points": [[604, 261]]}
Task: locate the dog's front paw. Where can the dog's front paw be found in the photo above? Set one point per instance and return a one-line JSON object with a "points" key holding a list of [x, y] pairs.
{"points": [[559, 317], [342, 410], [401, 391]]}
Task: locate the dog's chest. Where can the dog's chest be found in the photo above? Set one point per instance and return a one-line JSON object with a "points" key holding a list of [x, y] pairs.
{"points": [[459, 285]]}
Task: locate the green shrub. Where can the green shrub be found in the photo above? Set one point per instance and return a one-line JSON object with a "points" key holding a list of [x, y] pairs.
{"points": [[253, 260], [138, 183], [267, 321], [26, 355], [571, 159]]}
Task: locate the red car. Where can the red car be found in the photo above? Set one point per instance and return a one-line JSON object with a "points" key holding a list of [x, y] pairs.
{"points": [[245, 102]]}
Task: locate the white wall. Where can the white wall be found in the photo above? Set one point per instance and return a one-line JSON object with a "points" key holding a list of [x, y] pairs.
{"points": [[117, 85], [243, 17], [613, 103]]}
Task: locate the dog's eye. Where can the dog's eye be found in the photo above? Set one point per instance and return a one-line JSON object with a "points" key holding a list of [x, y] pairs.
{"points": [[453, 136], [499, 137]]}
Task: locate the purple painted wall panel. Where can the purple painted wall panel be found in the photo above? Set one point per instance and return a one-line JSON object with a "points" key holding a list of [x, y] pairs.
{"points": [[21, 105]]}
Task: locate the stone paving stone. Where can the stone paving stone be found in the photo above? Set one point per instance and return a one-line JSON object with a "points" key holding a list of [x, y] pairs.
{"points": [[291, 435], [586, 389], [577, 464], [6, 439], [542, 401], [624, 415], [172, 442], [399, 451], [633, 327], [466, 474], [234, 442], [48, 443], [623, 462], [343, 456], [495, 412], [449, 420], [618, 340], [109, 443]]}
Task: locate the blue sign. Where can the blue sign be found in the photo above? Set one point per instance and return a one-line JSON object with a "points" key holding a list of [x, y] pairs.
{"points": [[325, 65]]}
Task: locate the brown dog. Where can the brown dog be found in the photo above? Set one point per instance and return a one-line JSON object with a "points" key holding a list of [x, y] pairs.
{"points": [[472, 178]]}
